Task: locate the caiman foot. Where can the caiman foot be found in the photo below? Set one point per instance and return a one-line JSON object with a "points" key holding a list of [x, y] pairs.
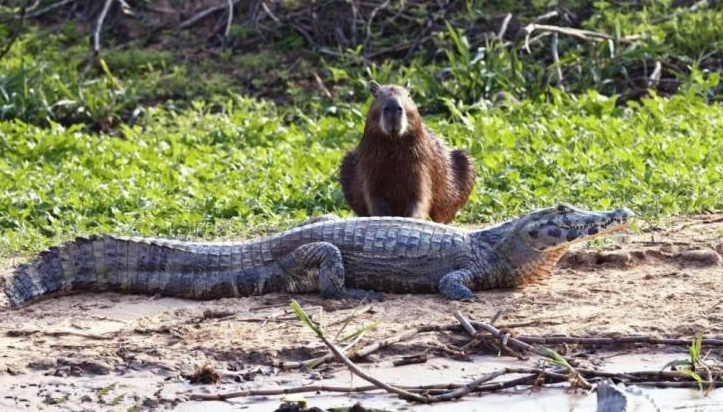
{"points": [[453, 285]]}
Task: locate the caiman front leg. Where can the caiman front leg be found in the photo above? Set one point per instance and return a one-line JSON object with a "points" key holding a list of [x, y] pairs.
{"points": [[455, 285], [323, 258]]}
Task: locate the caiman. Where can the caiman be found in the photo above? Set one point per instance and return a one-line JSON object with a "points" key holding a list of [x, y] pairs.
{"points": [[337, 258]]}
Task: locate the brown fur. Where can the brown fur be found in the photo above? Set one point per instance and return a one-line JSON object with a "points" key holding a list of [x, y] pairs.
{"points": [[410, 174]]}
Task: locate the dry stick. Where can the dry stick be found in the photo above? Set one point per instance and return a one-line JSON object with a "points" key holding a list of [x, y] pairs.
{"points": [[354, 369], [353, 354], [29, 332], [355, 313], [410, 333], [229, 19], [370, 20], [713, 384], [449, 390], [99, 27], [496, 317], [556, 59], [503, 28], [268, 11], [446, 390], [548, 15], [466, 389], [524, 347], [49, 8], [654, 79], [476, 335], [614, 341], [200, 15]]}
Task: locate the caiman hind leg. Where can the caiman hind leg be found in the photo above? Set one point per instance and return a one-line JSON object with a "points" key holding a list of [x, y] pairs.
{"points": [[455, 285], [320, 262]]}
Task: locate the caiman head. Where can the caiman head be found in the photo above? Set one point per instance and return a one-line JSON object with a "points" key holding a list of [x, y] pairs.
{"points": [[531, 245], [560, 226]]}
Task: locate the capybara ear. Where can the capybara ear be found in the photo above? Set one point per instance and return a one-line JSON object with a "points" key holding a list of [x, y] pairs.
{"points": [[407, 85], [374, 87]]}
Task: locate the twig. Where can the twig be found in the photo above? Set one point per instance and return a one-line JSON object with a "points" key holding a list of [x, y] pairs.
{"points": [[556, 59], [200, 15], [360, 353], [29, 332], [548, 15], [654, 79], [503, 28], [579, 33], [355, 313], [466, 389], [354, 369], [496, 317], [411, 359], [99, 27], [268, 11], [370, 20], [449, 391], [52, 7], [95, 49], [714, 384], [524, 340], [524, 347], [229, 19], [443, 391]]}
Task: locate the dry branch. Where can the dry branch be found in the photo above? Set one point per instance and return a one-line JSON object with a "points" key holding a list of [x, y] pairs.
{"points": [[579, 33], [556, 59], [229, 19], [526, 342], [503, 28], [29, 332], [448, 391], [202, 14], [99, 27]]}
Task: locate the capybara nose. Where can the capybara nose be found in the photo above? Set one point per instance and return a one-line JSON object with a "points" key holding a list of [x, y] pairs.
{"points": [[393, 108]]}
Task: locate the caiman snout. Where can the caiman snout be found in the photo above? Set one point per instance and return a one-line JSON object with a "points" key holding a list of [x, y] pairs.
{"points": [[563, 225]]}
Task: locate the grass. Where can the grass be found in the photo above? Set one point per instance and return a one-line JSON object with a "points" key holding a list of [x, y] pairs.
{"points": [[239, 169]]}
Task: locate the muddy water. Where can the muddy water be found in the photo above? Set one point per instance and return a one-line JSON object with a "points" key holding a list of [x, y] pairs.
{"points": [[146, 390], [518, 399]]}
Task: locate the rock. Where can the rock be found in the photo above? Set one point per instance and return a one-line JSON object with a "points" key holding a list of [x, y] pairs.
{"points": [[706, 257], [78, 366], [15, 369], [579, 259], [151, 404], [43, 364], [618, 259]]}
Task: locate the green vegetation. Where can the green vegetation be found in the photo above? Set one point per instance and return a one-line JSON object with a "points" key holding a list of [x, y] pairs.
{"points": [[238, 142]]}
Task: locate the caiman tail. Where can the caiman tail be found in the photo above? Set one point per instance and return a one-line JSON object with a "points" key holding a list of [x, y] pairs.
{"points": [[132, 265]]}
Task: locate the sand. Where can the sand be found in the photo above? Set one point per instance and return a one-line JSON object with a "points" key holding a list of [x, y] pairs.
{"points": [[114, 352]]}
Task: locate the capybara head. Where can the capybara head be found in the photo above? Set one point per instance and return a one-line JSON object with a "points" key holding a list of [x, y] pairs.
{"points": [[393, 112]]}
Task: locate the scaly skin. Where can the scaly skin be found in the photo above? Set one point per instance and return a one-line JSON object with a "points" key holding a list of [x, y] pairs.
{"points": [[338, 258]]}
